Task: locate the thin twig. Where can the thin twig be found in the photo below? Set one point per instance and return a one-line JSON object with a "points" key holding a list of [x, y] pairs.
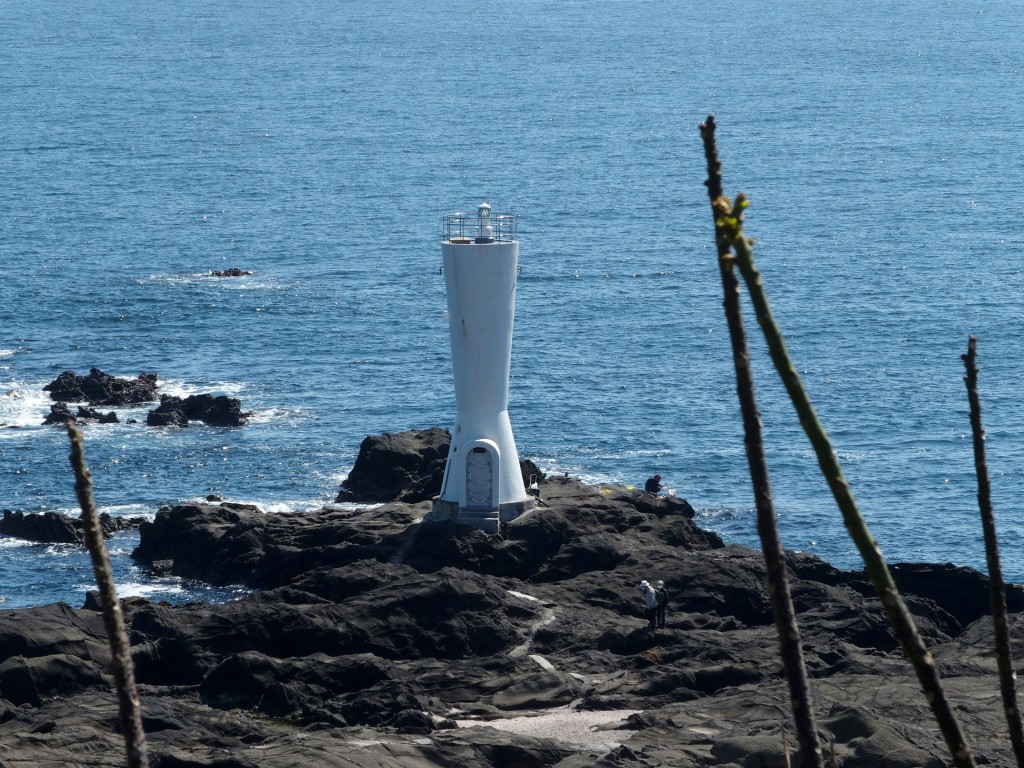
{"points": [[996, 586], [900, 618], [129, 709], [774, 556]]}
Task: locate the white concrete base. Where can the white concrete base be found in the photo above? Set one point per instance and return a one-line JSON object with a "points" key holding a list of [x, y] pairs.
{"points": [[487, 520]]}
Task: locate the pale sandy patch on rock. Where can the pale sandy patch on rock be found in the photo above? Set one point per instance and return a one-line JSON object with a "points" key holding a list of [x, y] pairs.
{"points": [[565, 725]]}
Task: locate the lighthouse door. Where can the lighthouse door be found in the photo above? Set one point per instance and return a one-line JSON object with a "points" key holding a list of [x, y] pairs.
{"points": [[480, 478]]}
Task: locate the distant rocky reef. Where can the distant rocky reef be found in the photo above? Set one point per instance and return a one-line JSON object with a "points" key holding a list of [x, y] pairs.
{"points": [[230, 272], [99, 388]]}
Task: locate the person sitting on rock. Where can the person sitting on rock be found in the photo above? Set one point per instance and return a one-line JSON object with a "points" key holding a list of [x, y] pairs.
{"points": [[653, 484], [662, 595], [650, 604]]}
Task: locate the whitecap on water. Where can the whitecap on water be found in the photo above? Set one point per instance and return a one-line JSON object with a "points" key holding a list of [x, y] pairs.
{"points": [[180, 388], [23, 404], [240, 283], [127, 510], [138, 589], [271, 415]]}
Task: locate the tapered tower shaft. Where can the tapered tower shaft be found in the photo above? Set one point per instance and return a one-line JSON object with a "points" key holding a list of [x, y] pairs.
{"points": [[483, 484]]}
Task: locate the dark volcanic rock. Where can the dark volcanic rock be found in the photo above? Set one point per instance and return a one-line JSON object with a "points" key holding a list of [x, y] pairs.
{"points": [[230, 272], [238, 544], [233, 543], [61, 414], [44, 527], [51, 527], [379, 638], [99, 388], [398, 466], [31, 680], [219, 411]]}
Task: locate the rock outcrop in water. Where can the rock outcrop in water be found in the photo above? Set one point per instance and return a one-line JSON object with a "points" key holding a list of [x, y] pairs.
{"points": [[379, 640], [99, 388], [217, 411], [54, 528], [60, 413]]}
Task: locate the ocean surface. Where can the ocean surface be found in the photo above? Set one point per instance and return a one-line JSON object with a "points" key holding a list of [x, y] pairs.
{"points": [[317, 144]]}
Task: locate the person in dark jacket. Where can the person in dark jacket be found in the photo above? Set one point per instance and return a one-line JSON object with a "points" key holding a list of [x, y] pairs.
{"points": [[653, 484], [662, 597]]}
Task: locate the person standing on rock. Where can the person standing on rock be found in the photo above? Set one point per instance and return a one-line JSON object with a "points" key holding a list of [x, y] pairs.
{"points": [[650, 604], [662, 596]]}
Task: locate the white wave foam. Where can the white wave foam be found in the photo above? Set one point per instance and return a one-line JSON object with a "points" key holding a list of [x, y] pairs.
{"points": [[166, 279], [63, 550], [8, 543], [23, 404], [127, 510], [135, 589], [180, 388], [271, 415], [241, 283], [350, 506], [283, 507]]}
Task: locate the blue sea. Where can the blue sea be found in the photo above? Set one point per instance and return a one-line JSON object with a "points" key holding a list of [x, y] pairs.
{"points": [[317, 144]]}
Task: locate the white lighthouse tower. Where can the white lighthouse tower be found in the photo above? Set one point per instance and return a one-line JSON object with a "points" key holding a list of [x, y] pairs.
{"points": [[483, 484]]}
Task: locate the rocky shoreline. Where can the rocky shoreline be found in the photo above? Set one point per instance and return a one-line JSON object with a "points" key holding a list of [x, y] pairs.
{"points": [[376, 639]]}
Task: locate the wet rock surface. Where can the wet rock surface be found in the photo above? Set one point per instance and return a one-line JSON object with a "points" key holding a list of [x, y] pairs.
{"points": [[381, 640]]}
